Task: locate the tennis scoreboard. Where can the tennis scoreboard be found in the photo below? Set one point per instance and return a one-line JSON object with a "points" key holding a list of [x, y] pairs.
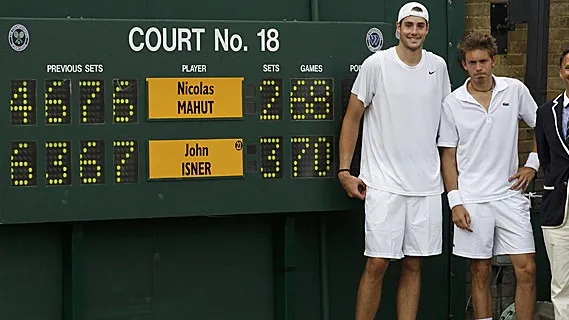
{"points": [[109, 119]]}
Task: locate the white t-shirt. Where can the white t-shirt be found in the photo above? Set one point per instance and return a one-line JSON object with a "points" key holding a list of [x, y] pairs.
{"points": [[401, 120], [486, 141]]}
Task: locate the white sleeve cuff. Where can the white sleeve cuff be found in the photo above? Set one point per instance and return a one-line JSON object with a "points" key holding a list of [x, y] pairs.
{"points": [[454, 198], [533, 161]]}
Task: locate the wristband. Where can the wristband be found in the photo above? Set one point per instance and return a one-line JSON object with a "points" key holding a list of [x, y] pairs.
{"points": [[342, 170], [533, 161], [454, 198]]}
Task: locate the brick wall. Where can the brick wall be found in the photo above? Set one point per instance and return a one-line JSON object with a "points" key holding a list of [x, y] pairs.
{"points": [[512, 64], [558, 40]]}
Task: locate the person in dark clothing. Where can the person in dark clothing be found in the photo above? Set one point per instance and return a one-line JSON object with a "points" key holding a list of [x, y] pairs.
{"points": [[553, 150]]}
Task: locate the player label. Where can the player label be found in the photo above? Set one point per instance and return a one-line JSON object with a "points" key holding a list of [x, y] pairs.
{"points": [[271, 68], [355, 68], [194, 68], [308, 68], [183, 159], [195, 98]]}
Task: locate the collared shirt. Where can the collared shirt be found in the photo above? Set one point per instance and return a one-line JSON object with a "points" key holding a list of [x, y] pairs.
{"points": [[486, 142], [565, 114]]}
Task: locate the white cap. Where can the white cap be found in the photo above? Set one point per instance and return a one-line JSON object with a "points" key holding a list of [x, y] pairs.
{"points": [[407, 10]]}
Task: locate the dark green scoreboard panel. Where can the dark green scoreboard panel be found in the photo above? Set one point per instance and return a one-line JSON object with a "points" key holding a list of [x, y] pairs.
{"points": [[130, 119]]}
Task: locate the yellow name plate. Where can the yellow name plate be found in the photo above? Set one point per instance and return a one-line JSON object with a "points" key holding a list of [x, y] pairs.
{"points": [[175, 159], [195, 98]]}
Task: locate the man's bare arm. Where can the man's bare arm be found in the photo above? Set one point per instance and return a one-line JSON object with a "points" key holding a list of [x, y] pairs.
{"points": [[350, 129], [449, 169], [354, 187], [460, 216], [526, 174]]}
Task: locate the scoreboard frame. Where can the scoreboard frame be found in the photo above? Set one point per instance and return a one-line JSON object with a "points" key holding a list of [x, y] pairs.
{"points": [[280, 104]]}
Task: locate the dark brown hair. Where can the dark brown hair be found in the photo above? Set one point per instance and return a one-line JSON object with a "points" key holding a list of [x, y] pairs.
{"points": [[477, 40], [563, 54]]}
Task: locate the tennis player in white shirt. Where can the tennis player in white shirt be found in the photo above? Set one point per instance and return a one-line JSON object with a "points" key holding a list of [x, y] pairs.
{"points": [[479, 152], [400, 90]]}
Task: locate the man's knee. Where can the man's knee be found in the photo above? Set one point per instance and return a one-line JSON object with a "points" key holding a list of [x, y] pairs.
{"points": [[411, 265], [376, 267], [524, 267], [481, 270]]}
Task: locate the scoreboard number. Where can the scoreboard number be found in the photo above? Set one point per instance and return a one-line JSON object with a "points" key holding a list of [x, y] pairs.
{"points": [[92, 162], [312, 156], [23, 102], [125, 101], [271, 157], [311, 99], [125, 153], [58, 163], [271, 102], [23, 163], [57, 101], [92, 101]]}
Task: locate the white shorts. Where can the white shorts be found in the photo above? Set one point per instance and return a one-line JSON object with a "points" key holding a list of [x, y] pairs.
{"points": [[498, 228], [398, 226]]}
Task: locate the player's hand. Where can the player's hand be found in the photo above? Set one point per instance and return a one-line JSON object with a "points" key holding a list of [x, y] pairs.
{"points": [[355, 187], [524, 176], [461, 218]]}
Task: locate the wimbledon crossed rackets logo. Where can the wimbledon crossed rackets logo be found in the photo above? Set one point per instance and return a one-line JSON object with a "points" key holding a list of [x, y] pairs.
{"points": [[18, 37]]}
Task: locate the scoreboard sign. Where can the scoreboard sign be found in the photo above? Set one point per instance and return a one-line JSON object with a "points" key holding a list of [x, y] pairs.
{"points": [[197, 98], [108, 119]]}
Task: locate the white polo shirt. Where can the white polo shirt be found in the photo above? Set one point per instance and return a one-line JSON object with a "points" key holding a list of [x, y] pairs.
{"points": [[486, 142], [403, 106]]}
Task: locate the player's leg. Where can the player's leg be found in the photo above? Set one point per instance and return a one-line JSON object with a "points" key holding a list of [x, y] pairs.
{"points": [[384, 221], [514, 236], [481, 295], [409, 288], [477, 246], [557, 245], [422, 238], [369, 291], [524, 266]]}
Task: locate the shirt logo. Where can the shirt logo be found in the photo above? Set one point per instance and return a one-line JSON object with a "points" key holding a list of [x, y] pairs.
{"points": [[505, 104], [431, 72]]}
